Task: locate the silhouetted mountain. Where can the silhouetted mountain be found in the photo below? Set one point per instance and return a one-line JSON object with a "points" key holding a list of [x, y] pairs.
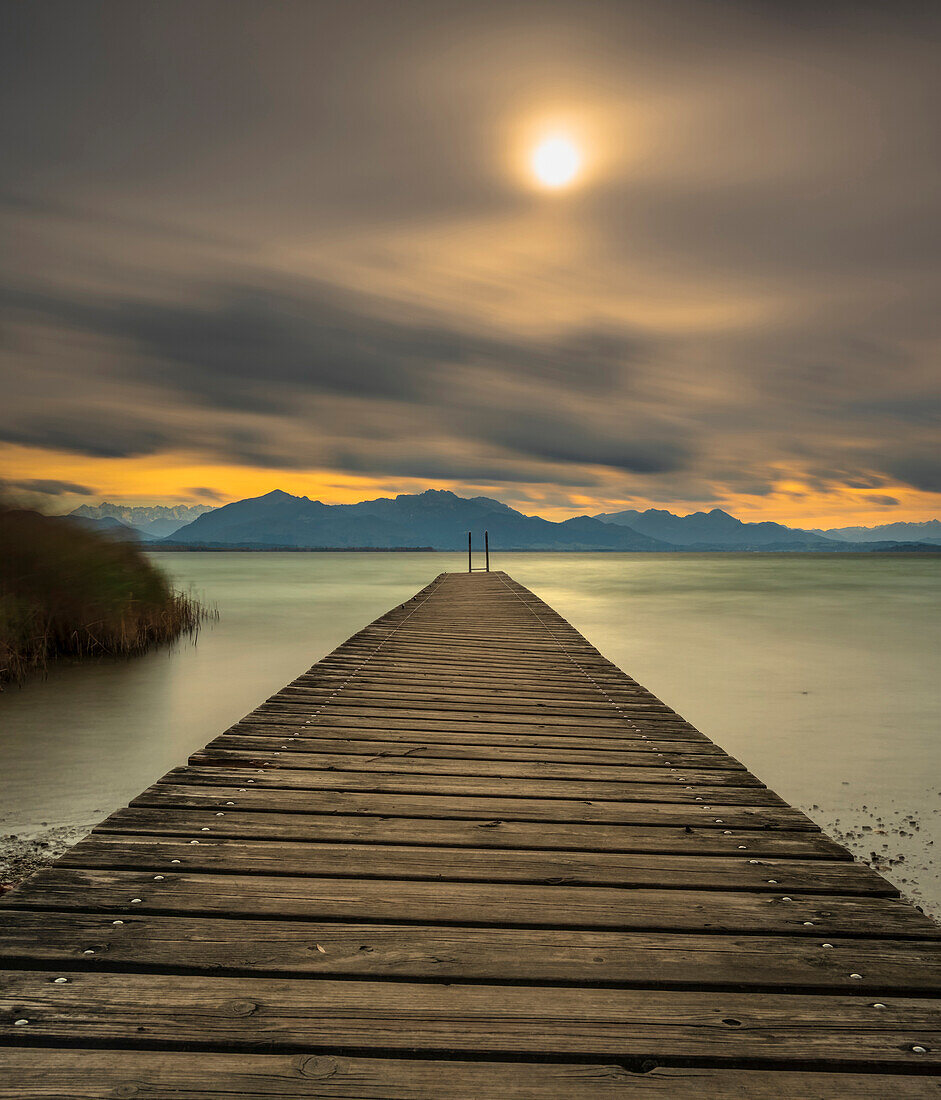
{"points": [[928, 531], [435, 518], [717, 530], [109, 525], [155, 520]]}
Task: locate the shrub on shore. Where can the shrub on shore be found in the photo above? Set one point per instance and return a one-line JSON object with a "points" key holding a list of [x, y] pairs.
{"points": [[66, 591]]}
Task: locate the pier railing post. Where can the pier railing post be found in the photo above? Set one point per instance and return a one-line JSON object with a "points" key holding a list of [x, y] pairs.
{"points": [[487, 549], [470, 564]]}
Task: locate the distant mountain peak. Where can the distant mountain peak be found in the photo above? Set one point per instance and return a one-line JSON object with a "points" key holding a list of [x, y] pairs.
{"points": [[278, 494], [437, 518]]}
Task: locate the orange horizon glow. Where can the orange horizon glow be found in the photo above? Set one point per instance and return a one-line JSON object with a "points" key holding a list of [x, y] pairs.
{"points": [[172, 478]]}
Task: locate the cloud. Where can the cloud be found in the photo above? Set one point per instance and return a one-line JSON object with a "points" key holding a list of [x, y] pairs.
{"points": [[48, 487], [206, 494], [331, 258]]}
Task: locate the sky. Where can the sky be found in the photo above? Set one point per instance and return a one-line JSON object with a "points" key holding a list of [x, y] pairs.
{"points": [[300, 245]]}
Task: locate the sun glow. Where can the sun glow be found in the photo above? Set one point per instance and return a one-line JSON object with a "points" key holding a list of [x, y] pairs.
{"points": [[556, 161]]}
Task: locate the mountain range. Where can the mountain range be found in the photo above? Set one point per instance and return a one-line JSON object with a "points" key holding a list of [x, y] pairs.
{"points": [[440, 519], [927, 531], [717, 530], [436, 518], [155, 521]]}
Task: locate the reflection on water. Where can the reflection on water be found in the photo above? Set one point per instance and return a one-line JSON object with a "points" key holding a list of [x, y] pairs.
{"points": [[818, 671]]}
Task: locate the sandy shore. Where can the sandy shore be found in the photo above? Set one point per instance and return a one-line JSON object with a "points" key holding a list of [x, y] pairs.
{"points": [[23, 853]]}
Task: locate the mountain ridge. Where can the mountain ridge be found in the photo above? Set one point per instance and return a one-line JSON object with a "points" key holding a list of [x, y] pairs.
{"points": [[152, 520], [439, 518]]}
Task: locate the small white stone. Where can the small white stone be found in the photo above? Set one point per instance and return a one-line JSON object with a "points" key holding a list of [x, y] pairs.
{"points": [[158, 878], [136, 901], [89, 951], [878, 1004], [205, 829], [916, 1050], [743, 847], [808, 924], [20, 1023], [59, 981], [856, 977], [194, 842], [174, 861], [826, 945], [117, 922]]}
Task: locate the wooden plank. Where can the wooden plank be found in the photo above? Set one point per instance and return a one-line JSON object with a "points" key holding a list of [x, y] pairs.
{"points": [[479, 833], [455, 953], [282, 754], [355, 697], [300, 725], [593, 729], [300, 779], [31, 1074], [275, 1014], [222, 793], [466, 831], [500, 904], [448, 746], [401, 861]]}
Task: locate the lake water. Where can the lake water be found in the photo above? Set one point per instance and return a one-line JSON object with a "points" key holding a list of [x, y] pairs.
{"points": [[819, 672]]}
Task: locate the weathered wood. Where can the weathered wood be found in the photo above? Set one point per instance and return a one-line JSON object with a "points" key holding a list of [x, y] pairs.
{"points": [[465, 835], [93, 1074], [480, 735], [458, 749], [175, 791], [282, 754], [467, 953], [479, 865], [479, 833], [503, 904], [602, 791], [275, 1014]]}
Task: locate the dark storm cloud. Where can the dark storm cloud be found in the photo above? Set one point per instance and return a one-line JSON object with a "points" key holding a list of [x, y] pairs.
{"points": [[748, 283], [48, 487], [250, 348]]}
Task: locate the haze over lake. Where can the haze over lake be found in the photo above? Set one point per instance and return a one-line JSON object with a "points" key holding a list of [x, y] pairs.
{"points": [[819, 672]]}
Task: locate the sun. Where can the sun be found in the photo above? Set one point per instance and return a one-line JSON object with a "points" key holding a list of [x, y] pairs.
{"points": [[556, 161]]}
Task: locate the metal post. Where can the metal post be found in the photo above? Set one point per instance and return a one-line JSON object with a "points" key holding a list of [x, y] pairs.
{"points": [[470, 564], [487, 549]]}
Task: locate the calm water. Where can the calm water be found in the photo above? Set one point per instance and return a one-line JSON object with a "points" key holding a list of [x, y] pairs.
{"points": [[820, 673]]}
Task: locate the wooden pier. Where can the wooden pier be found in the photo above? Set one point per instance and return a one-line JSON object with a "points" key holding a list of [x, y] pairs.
{"points": [[465, 856]]}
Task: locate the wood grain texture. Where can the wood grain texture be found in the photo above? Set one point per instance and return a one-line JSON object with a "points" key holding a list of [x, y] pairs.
{"points": [[474, 833], [274, 1014], [465, 855], [468, 953], [502, 904], [74, 1074], [625, 869]]}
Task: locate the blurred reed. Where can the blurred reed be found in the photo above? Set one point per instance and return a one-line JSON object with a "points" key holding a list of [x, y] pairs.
{"points": [[66, 591]]}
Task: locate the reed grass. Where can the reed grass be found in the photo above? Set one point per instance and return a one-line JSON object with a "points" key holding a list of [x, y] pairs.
{"points": [[68, 592]]}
